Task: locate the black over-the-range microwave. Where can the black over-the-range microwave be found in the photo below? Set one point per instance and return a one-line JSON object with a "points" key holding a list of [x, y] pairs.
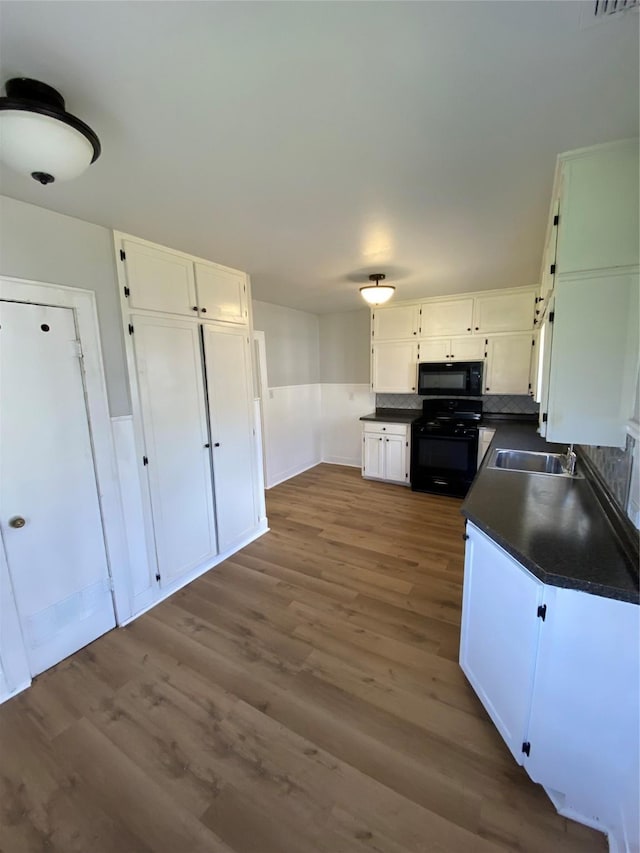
{"points": [[450, 378]]}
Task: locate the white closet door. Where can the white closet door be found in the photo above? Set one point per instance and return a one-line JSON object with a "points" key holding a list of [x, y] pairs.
{"points": [[49, 510], [227, 359], [172, 400], [159, 280]]}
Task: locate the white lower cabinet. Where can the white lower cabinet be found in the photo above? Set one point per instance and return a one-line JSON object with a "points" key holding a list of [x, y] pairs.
{"points": [[499, 637], [385, 452], [561, 683], [508, 365]]}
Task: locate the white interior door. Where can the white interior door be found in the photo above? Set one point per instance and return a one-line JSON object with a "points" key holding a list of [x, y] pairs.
{"points": [[174, 419], [49, 509], [228, 363]]}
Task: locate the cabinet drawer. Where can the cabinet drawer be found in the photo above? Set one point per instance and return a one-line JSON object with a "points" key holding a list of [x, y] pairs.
{"points": [[385, 428]]}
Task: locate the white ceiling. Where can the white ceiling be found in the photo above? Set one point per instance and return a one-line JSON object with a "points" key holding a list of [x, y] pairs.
{"points": [[311, 143]]}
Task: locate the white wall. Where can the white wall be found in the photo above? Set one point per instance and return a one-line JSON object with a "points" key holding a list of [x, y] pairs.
{"points": [[41, 245]]}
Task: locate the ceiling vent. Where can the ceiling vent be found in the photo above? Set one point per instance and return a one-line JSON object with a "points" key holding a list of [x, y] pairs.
{"points": [[604, 8]]}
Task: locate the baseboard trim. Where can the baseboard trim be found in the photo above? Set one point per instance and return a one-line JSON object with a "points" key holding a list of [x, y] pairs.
{"points": [[262, 528], [293, 472], [16, 690], [342, 460]]}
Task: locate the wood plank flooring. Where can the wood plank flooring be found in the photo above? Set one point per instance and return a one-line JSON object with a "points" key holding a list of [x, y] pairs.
{"points": [[303, 697]]}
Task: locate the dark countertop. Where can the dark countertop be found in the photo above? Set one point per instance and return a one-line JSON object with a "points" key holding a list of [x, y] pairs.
{"points": [[393, 416], [555, 526]]}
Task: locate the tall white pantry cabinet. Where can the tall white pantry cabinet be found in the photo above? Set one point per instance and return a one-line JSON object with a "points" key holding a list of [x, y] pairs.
{"points": [[196, 435]]}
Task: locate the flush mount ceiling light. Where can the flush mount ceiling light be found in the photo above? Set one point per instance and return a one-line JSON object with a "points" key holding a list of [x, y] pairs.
{"points": [[377, 294], [38, 137]]}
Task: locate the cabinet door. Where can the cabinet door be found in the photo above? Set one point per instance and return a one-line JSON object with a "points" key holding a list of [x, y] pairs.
{"points": [[508, 312], [395, 368], [228, 363], [436, 350], [467, 349], [499, 635], [373, 455], [594, 360], [172, 401], [583, 728], [222, 293], [508, 364], [158, 280], [395, 458], [598, 225], [394, 323], [453, 317]]}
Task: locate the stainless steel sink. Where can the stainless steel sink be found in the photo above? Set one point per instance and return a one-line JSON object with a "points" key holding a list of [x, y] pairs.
{"points": [[530, 462]]}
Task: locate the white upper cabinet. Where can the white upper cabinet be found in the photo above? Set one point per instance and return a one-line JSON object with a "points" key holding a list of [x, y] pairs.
{"points": [[508, 364], [171, 282], [400, 321], [598, 225], [509, 312], [452, 349], [222, 293], [394, 368], [594, 358], [158, 280], [450, 317]]}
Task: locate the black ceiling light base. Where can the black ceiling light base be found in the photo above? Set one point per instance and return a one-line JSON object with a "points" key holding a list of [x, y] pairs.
{"points": [[29, 95], [43, 177], [377, 277]]}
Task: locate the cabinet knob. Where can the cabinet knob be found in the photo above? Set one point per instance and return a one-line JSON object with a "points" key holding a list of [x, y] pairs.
{"points": [[203, 310], [487, 389], [207, 445], [387, 439], [17, 522], [415, 333], [477, 327], [217, 444], [413, 388], [195, 308], [384, 429], [452, 355], [468, 328], [380, 439]]}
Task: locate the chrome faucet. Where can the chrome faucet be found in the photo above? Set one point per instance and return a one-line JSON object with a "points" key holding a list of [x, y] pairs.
{"points": [[569, 461]]}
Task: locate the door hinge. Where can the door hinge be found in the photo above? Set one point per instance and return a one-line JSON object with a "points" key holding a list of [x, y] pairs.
{"points": [[533, 342], [552, 316], [465, 536], [145, 460], [373, 334], [127, 292], [158, 577], [130, 328], [529, 386], [406, 444], [77, 349], [526, 747], [556, 219], [552, 269], [544, 417], [123, 255], [542, 612], [111, 584]]}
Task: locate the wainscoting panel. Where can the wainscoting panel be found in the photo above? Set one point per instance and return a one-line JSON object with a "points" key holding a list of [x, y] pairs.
{"points": [[292, 431], [342, 408]]}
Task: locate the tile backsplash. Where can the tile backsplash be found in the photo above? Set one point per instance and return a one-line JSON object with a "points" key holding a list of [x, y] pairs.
{"points": [[503, 404], [614, 465]]}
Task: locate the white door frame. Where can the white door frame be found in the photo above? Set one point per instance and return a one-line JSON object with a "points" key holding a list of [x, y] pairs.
{"points": [[83, 305]]}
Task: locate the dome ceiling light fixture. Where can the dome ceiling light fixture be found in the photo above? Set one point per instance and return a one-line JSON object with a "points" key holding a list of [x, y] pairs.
{"points": [[377, 294], [38, 137]]}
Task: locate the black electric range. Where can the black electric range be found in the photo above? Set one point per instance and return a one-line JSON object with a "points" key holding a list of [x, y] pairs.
{"points": [[444, 446]]}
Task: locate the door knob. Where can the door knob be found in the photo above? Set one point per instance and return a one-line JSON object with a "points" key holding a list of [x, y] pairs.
{"points": [[17, 521]]}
